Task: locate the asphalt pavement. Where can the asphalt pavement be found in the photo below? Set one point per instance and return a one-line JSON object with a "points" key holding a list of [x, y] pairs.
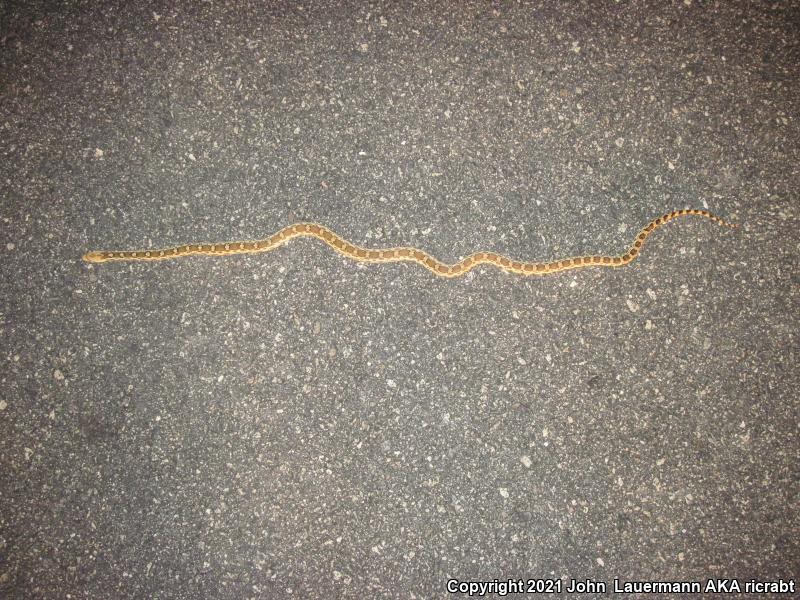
{"points": [[298, 425]]}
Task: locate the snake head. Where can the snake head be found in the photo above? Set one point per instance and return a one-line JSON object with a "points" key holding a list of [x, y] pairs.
{"points": [[94, 257]]}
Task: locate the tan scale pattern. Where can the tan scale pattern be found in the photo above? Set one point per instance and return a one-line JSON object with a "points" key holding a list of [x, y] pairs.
{"points": [[416, 255]]}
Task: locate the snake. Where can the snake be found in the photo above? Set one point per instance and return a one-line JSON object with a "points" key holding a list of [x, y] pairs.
{"points": [[400, 254]]}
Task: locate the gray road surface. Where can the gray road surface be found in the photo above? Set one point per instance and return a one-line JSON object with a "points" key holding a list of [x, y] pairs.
{"points": [[298, 425]]}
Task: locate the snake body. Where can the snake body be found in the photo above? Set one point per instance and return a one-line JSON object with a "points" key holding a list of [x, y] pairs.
{"points": [[399, 254]]}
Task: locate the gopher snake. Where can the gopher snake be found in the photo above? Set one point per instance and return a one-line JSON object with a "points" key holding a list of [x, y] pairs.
{"points": [[437, 267]]}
